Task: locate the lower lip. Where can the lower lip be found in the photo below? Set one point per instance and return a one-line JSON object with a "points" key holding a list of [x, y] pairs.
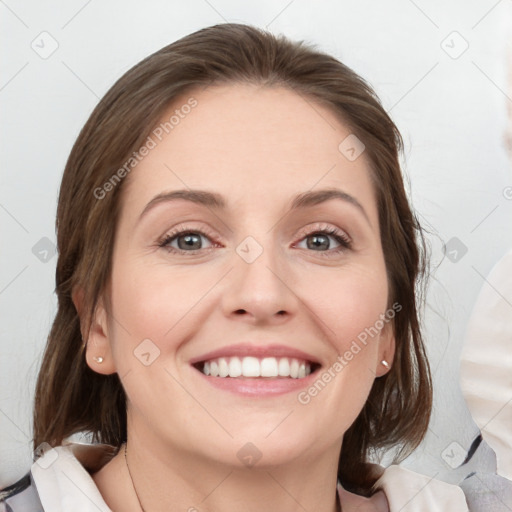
{"points": [[259, 386]]}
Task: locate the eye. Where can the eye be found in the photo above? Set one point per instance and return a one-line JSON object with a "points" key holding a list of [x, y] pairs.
{"points": [[319, 241], [183, 239]]}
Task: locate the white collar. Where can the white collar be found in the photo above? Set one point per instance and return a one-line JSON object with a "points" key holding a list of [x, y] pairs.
{"points": [[404, 490], [408, 491], [63, 484]]}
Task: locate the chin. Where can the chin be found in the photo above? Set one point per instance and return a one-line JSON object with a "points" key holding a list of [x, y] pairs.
{"points": [[254, 448]]}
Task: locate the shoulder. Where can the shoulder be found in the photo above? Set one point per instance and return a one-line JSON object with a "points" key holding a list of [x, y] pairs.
{"points": [[60, 477], [399, 489], [409, 491]]}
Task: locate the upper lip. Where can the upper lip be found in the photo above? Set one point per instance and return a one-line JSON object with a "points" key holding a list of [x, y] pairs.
{"points": [[260, 351]]}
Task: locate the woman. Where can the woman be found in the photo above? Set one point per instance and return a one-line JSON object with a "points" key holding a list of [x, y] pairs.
{"points": [[237, 321]]}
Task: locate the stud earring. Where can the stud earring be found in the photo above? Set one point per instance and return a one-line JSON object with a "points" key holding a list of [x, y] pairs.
{"points": [[384, 363], [99, 359]]}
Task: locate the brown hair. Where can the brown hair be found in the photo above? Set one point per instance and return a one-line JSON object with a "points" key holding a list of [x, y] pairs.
{"points": [[70, 397]]}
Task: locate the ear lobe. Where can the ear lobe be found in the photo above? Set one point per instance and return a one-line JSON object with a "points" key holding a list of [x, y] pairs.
{"points": [[98, 351], [387, 346]]}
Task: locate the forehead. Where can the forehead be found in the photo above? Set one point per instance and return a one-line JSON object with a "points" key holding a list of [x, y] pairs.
{"points": [[243, 138]]}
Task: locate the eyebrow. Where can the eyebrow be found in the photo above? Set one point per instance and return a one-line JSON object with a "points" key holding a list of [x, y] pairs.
{"points": [[217, 202]]}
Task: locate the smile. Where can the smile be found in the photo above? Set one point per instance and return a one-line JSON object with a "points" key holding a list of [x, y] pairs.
{"points": [[257, 370], [254, 367]]}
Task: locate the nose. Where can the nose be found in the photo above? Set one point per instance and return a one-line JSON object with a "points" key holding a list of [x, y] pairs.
{"points": [[260, 291]]}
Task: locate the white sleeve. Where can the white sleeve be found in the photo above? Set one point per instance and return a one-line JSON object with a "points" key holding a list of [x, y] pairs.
{"points": [[486, 363]]}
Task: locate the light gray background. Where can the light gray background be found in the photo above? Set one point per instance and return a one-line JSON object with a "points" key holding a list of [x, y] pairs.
{"points": [[451, 112]]}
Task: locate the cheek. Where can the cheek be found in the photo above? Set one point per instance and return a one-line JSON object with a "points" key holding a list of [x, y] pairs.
{"points": [[154, 310], [153, 303], [349, 302], [350, 307]]}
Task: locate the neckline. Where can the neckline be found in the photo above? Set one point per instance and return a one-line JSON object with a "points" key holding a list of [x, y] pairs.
{"points": [[92, 457]]}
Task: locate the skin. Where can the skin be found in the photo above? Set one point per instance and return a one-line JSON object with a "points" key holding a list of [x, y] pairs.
{"points": [[259, 148]]}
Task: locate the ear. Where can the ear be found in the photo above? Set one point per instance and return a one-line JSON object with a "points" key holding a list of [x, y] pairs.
{"points": [[98, 350], [386, 349]]}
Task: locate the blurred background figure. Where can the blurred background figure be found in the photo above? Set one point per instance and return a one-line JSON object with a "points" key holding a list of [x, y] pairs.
{"points": [[486, 368]]}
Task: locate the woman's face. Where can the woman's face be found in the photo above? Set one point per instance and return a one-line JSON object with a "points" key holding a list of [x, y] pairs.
{"points": [[269, 274]]}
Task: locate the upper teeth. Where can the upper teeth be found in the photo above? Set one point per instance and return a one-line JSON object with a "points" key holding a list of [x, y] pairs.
{"points": [[254, 367]]}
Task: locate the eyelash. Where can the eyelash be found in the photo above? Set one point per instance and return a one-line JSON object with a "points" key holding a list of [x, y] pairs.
{"points": [[340, 236]]}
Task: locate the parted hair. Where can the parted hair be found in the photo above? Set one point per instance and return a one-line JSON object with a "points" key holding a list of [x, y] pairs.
{"points": [[70, 397]]}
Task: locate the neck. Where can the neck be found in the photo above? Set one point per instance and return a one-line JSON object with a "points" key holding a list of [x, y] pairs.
{"points": [[172, 479]]}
